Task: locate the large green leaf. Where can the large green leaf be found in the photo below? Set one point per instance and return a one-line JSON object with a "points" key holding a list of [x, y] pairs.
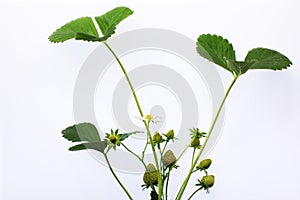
{"points": [[82, 132], [108, 22], [267, 59], [84, 25], [85, 29], [216, 49], [98, 146]]}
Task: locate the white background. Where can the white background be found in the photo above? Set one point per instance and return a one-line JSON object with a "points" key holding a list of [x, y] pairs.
{"points": [[256, 158]]}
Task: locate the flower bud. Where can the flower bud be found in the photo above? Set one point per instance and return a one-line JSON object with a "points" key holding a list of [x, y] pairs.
{"points": [[169, 158], [170, 135], [150, 175], [157, 138], [204, 164], [208, 181], [195, 142]]}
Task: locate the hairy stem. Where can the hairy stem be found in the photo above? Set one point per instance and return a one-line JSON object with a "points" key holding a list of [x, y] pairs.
{"points": [[160, 186], [116, 177], [183, 186]]}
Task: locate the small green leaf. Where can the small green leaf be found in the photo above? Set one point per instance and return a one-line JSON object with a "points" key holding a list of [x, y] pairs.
{"points": [[267, 59], [108, 22], [82, 26], [153, 195], [98, 146], [240, 67], [124, 136], [82, 132], [216, 49]]}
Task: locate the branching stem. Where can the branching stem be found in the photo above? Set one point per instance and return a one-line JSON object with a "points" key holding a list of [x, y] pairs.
{"points": [[183, 186], [160, 186]]}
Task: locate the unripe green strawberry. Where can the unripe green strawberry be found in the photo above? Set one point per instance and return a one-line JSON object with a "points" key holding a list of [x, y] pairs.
{"points": [[208, 181], [157, 138], [170, 135], [204, 164], [150, 176], [169, 158], [195, 142]]}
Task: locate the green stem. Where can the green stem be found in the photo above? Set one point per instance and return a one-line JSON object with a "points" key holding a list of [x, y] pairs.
{"points": [[163, 151], [160, 183], [194, 193], [115, 176], [142, 161], [167, 183], [127, 78], [145, 148], [194, 150], [160, 189], [183, 186]]}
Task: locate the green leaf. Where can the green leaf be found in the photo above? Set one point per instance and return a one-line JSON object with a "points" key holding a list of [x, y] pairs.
{"points": [[98, 146], [216, 49], [82, 132], [124, 136], [153, 195], [267, 59], [240, 67], [108, 22], [82, 26]]}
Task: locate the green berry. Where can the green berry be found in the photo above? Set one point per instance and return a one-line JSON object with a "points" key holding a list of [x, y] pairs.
{"points": [[169, 158], [114, 139], [195, 142], [170, 135], [150, 175], [208, 181], [157, 138], [204, 164]]}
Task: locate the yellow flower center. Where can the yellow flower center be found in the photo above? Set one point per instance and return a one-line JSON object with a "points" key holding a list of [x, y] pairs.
{"points": [[148, 117]]}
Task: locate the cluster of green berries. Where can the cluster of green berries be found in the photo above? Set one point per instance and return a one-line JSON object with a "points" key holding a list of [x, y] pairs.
{"points": [[159, 138], [150, 176], [168, 159], [207, 181]]}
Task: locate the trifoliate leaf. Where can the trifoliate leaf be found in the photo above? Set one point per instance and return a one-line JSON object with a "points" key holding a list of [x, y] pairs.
{"points": [[75, 29], [82, 132], [240, 67], [85, 29], [98, 146], [267, 59], [216, 49], [108, 22]]}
